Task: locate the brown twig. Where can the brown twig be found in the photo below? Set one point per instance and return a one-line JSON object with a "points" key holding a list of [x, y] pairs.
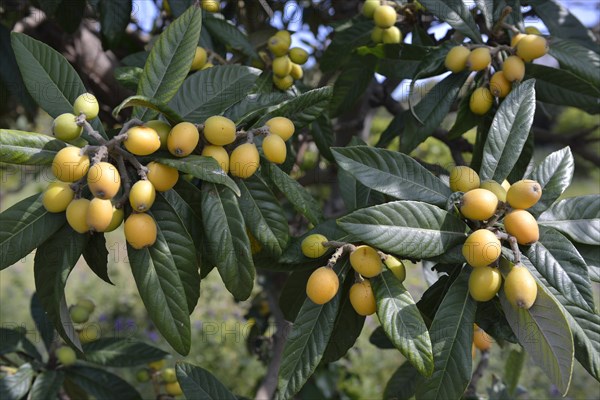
{"points": [[471, 391], [141, 169], [81, 121]]}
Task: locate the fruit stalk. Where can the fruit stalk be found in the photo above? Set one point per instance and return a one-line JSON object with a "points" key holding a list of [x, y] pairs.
{"points": [[141, 170], [514, 246], [125, 180], [339, 252], [81, 121]]}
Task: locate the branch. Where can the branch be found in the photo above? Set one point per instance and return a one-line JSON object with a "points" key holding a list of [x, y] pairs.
{"points": [[81, 121], [477, 375]]}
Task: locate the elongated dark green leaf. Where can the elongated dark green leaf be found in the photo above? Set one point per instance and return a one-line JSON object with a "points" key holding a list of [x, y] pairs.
{"points": [[293, 294], [576, 217], [524, 162], [554, 175], [151, 103], [355, 194], [456, 14], [205, 168], [159, 284], [228, 34], [349, 35], [392, 173], [41, 320], [54, 260], [591, 255], [402, 321], [557, 86], [263, 215], [228, 243], [198, 383], [302, 201], [322, 132], [452, 337], [170, 59], [578, 59], [136, 60], [403, 383], [117, 352], [350, 85], [431, 110], [14, 341], [508, 133], [17, 385], [513, 368], [308, 340], [101, 384], [252, 106], [29, 148], [96, 256], [50, 79], [487, 9], [398, 61], [212, 91], [114, 18], [46, 385], [128, 76], [406, 228], [557, 260]]}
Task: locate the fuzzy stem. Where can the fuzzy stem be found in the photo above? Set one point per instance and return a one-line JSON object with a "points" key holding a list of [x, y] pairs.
{"points": [[81, 121], [141, 170], [126, 182], [338, 254]]}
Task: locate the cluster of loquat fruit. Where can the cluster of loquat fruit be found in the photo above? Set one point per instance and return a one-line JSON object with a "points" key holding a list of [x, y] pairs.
{"points": [[367, 262], [491, 208], [157, 372], [201, 60], [384, 16], [525, 47], [286, 63], [73, 167]]}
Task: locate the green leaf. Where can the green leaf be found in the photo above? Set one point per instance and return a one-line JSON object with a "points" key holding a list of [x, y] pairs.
{"points": [[576, 217], [252, 106], [228, 243], [380, 340], [47, 385], [302, 201], [487, 9], [577, 59], [402, 321], [552, 348], [10, 76], [29, 148], [398, 61], [456, 14], [96, 256], [293, 294], [557, 86], [54, 260], [199, 384], [554, 174], [322, 132], [293, 252], [392, 173], [302, 109], [129, 76], [114, 18], [308, 340], [101, 384], [512, 369], [355, 194], [452, 337], [204, 168], [170, 59], [263, 215], [228, 34], [524, 162], [136, 60], [159, 283], [17, 385], [50, 79], [118, 352], [14, 341], [465, 118], [406, 228], [348, 36], [557, 260], [591, 255], [403, 383], [351, 84], [212, 91], [42, 323], [508, 133], [431, 111], [153, 104]]}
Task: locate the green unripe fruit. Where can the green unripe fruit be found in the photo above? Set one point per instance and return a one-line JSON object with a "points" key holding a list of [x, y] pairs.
{"points": [[481, 248], [514, 69], [244, 160], [281, 126], [384, 16], [219, 130], [495, 188], [369, 8], [463, 179], [366, 261], [140, 231], [362, 298], [278, 46], [79, 315], [312, 246], [57, 196], [65, 128], [142, 375], [169, 375], [282, 66], [322, 286], [162, 129], [104, 180], [481, 101], [377, 35], [484, 283], [200, 59], [531, 47], [391, 35], [70, 166], [298, 55], [532, 30], [524, 194], [479, 204], [499, 85], [297, 72], [274, 148], [285, 36], [212, 6], [86, 104], [88, 304], [479, 59], [456, 59], [77, 215], [219, 154], [520, 288], [523, 226], [142, 140], [162, 176], [142, 195], [157, 365], [396, 266], [283, 83], [66, 356], [99, 215], [173, 389], [117, 219], [183, 139]]}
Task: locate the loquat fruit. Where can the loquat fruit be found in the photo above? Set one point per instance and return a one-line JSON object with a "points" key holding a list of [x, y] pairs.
{"points": [[282, 66], [531, 47], [481, 101], [366, 261], [396, 266], [456, 59], [479, 59], [65, 128], [219, 154], [499, 85], [312, 246], [283, 83], [86, 104], [391, 35], [322, 286], [142, 140], [142, 195], [523, 226], [384, 16], [69, 165], [524, 194], [274, 148], [463, 179], [481, 248], [362, 298], [57, 196], [200, 59], [219, 130], [104, 180], [513, 68], [479, 204], [520, 288], [66, 355], [281, 126], [99, 215], [244, 161], [116, 220], [298, 55], [77, 215], [183, 139], [484, 283], [162, 130], [140, 230], [162, 176], [495, 188]]}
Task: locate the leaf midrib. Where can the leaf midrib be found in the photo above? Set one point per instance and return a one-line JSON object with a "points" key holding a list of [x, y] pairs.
{"points": [[2, 243]]}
